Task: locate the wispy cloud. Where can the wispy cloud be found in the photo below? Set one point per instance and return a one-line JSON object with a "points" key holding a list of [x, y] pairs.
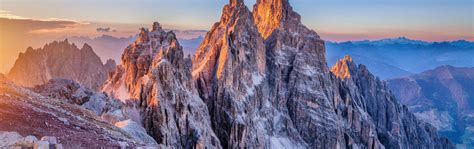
{"points": [[25, 25], [7, 14], [105, 29]]}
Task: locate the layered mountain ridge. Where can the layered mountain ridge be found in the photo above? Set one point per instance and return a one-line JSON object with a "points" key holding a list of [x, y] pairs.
{"points": [[443, 97], [400, 57], [60, 59]]}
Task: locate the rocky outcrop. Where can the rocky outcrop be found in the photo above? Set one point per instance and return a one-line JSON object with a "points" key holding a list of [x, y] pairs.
{"points": [[155, 76], [290, 98], [73, 93], [15, 140], [59, 59], [107, 108], [442, 97], [136, 130], [28, 113]]}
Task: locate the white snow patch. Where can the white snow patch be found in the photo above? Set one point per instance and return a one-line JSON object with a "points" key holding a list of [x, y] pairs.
{"points": [[162, 61], [282, 143], [240, 119], [137, 132], [257, 79], [122, 93], [309, 70]]}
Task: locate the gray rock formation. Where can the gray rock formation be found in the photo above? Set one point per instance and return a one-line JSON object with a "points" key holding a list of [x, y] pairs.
{"points": [[284, 96], [15, 140], [60, 60], [108, 109], [72, 92], [155, 76], [28, 113]]}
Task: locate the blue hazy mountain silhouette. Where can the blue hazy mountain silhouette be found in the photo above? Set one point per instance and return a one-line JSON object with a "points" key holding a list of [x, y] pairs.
{"points": [[395, 57]]}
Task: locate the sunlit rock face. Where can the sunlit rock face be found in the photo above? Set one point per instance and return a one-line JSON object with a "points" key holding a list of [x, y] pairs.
{"points": [[60, 59], [342, 68], [156, 78], [270, 15], [293, 101]]}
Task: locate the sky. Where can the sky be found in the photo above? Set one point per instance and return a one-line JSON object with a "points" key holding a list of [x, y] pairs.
{"points": [[26, 23]]}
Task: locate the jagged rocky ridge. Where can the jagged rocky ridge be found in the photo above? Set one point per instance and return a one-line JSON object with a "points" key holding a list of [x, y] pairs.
{"points": [[396, 126], [287, 97], [155, 76], [60, 59]]}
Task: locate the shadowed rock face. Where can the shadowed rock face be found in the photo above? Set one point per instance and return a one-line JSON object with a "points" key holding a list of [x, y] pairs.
{"points": [[396, 126], [294, 101], [443, 97], [156, 78], [60, 60]]}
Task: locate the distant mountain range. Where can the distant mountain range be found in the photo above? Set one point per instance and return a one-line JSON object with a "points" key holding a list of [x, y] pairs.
{"points": [[110, 47], [106, 46], [443, 97], [60, 59], [407, 41], [396, 57], [386, 58]]}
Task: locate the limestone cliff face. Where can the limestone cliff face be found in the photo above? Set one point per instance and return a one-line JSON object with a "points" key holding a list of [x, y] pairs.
{"points": [[156, 78], [59, 60], [293, 101], [228, 67]]}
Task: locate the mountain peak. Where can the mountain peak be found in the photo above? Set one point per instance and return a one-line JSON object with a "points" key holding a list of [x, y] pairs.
{"points": [[156, 26], [270, 15], [236, 2], [86, 47], [58, 59], [344, 67]]}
